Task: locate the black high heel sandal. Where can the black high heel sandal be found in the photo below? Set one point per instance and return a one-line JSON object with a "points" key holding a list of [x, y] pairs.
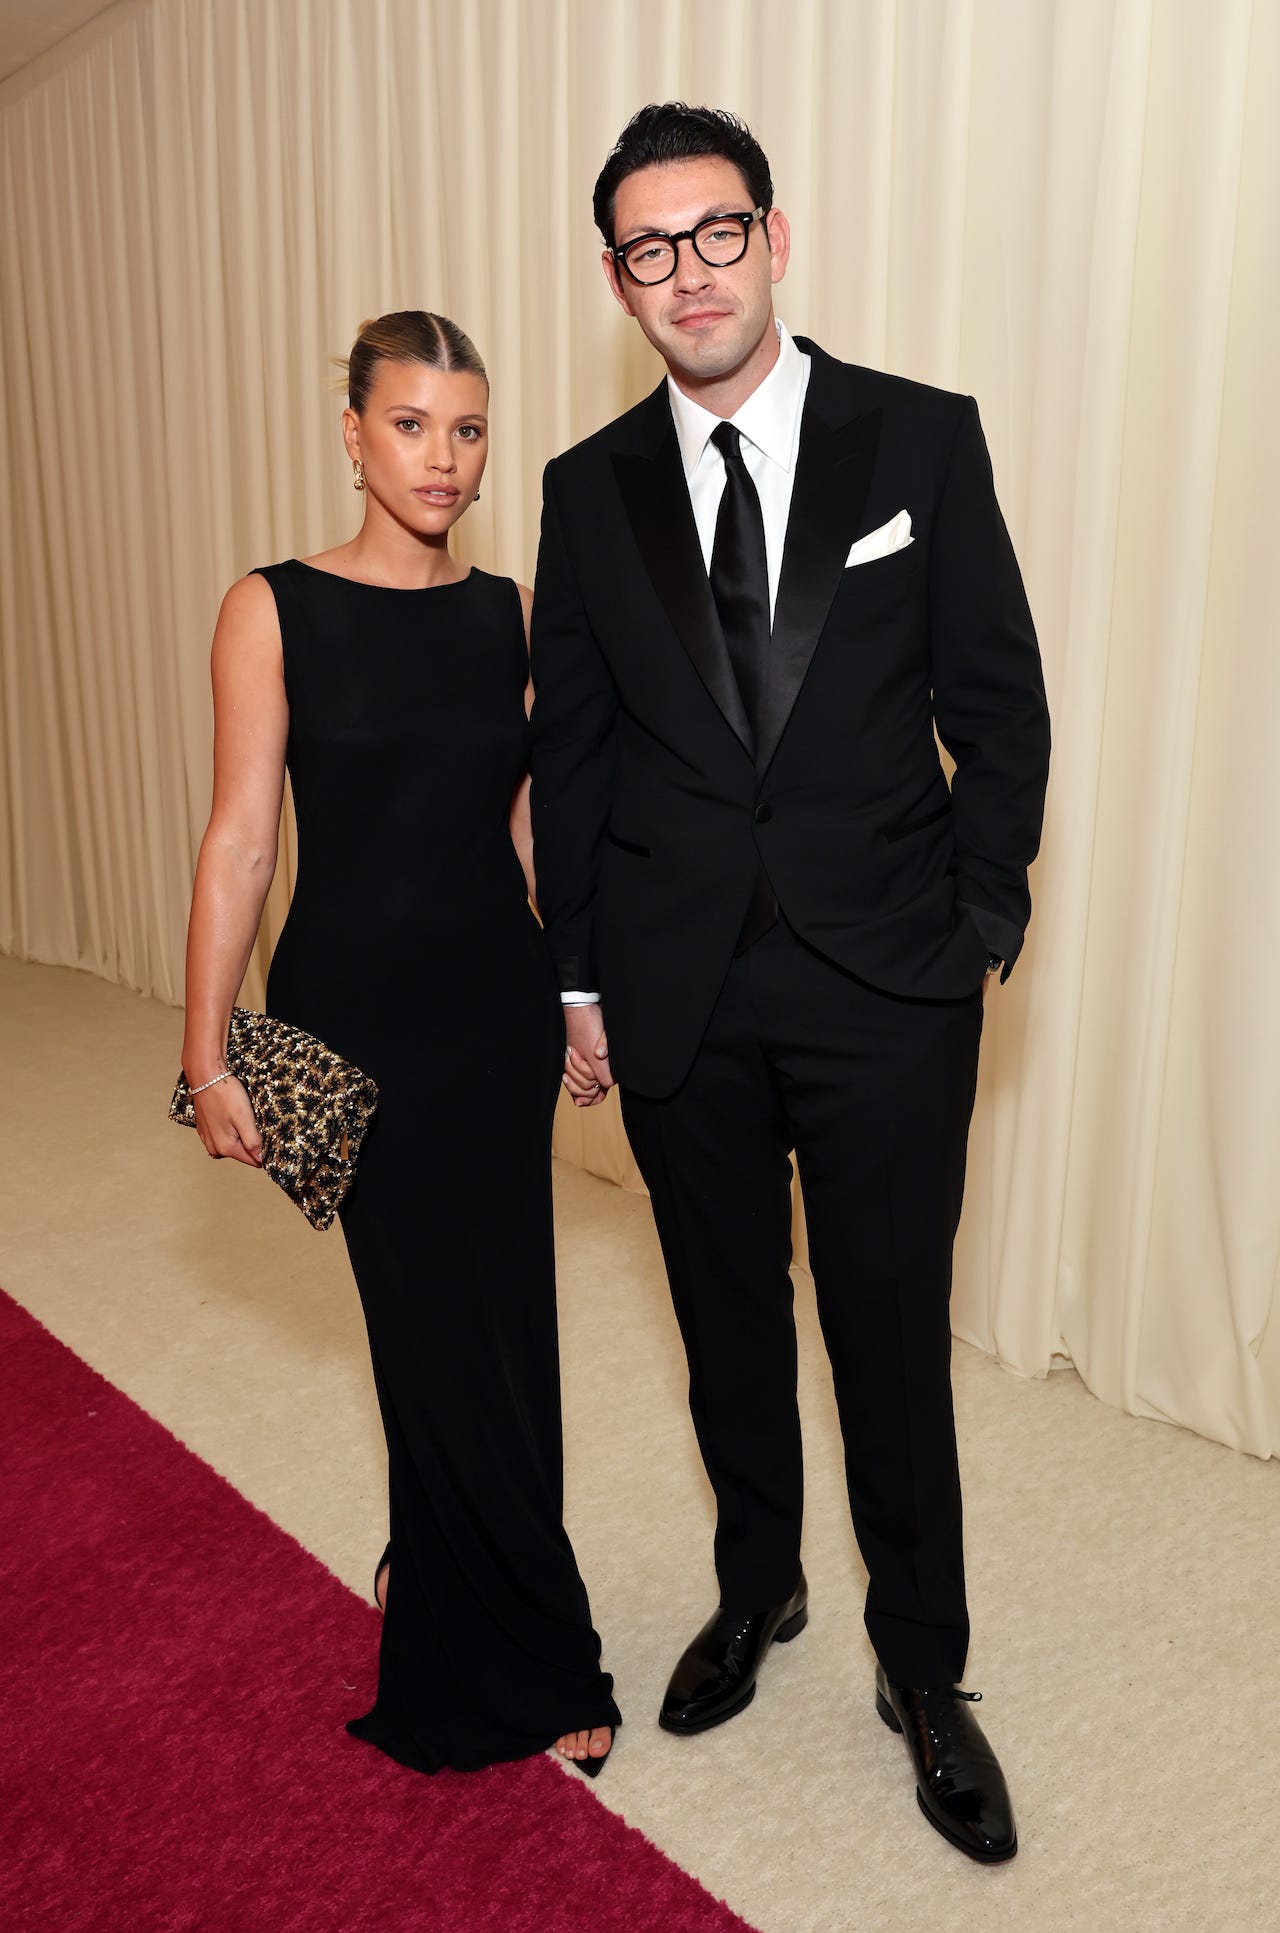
{"points": [[593, 1767], [385, 1559]]}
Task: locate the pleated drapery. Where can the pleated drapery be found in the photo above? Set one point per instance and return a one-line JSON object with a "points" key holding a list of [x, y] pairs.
{"points": [[1066, 207]]}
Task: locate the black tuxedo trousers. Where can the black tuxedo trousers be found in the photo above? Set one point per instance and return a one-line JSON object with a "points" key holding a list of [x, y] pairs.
{"points": [[874, 1094]]}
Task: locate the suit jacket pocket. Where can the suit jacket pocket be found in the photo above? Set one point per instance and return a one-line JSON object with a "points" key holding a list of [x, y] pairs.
{"points": [[918, 824], [627, 845], [882, 583]]}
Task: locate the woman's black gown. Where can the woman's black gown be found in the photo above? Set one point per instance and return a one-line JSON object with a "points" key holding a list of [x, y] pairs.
{"points": [[410, 949]]}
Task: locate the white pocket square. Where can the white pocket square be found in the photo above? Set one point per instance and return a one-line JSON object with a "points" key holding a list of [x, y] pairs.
{"points": [[895, 535]]}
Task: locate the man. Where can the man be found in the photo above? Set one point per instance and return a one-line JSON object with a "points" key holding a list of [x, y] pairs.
{"points": [[758, 593]]}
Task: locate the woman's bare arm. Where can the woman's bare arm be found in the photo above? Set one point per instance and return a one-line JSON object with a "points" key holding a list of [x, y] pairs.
{"points": [[579, 1076], [521, 826], [238, 853]]}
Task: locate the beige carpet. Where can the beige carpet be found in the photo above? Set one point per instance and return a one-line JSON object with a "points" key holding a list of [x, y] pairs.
{"points": [[1125, 1576]]}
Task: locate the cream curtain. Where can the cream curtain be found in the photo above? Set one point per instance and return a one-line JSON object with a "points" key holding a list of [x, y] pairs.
{"points": [[1067, 207]]}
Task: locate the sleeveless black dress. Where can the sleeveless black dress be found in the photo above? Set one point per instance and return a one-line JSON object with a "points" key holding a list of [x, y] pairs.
{"points": [[410, 948]]}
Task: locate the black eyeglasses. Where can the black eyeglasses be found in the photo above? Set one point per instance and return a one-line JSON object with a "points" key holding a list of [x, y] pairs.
{"points": [[719, 241]]}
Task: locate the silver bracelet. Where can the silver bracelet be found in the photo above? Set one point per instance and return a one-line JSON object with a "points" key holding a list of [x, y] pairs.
{"points": [[227, 1075]]}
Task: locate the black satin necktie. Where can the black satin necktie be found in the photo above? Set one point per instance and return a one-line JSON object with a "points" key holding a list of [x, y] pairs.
{"points": [[740, 587], [740, 573]]}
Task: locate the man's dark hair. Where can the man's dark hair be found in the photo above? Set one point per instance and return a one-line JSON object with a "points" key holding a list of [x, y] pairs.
{"points": [[673, 131]]}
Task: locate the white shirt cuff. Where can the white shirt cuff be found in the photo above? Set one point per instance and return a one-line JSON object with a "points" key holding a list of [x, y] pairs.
{"points": [[579, 999]]}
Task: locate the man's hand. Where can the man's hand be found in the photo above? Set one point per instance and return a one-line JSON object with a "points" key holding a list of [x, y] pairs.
{"points": [[587, 1073]]}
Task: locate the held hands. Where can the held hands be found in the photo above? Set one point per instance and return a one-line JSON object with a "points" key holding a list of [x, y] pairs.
{"points": [[587, 1074], [225, 1123]]}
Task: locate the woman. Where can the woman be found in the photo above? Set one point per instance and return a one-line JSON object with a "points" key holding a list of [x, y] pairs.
{"points": [[395, 685]]}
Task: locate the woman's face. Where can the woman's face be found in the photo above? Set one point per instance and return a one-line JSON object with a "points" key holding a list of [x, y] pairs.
{"points": [[422, 437]]}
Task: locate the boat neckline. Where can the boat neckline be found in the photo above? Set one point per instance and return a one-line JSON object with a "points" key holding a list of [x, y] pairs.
{"points": [[366, 584]]}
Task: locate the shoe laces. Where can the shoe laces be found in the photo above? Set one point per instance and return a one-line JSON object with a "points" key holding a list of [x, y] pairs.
{"points": [[940, 1712]]}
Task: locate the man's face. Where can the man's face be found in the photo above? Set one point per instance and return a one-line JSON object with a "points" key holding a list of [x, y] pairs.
{"points": [[705, 322]]}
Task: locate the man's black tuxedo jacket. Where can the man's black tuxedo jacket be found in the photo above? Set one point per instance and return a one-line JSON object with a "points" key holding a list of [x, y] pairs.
{"points": [[652, 805]]}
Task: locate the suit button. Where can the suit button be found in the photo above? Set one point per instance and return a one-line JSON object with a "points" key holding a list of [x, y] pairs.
{"points": [[763, 814]]}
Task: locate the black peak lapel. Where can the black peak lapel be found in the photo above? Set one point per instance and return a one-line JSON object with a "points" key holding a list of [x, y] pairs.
{"points": [[656, 498], [833, 476]]}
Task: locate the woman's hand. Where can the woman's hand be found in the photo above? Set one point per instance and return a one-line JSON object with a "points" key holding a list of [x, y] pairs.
{"points": [[587, 1073], [584, 1088], [225, 1123]]}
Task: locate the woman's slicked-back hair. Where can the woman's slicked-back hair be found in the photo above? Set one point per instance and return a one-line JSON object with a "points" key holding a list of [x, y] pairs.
{"points": [[672, 131], [407, 335]]}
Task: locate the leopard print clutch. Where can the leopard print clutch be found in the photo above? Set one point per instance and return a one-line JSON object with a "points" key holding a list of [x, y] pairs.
{"points": [[313, 1109]]}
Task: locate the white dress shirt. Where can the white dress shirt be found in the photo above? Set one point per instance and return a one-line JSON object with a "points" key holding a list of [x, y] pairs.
{"points": [[769, 425]]}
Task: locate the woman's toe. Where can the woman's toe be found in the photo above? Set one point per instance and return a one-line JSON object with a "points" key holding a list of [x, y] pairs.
{"points": [[580, 1745]]}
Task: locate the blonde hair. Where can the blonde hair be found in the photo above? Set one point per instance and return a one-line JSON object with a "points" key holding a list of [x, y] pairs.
{"points": [[407, 335]]}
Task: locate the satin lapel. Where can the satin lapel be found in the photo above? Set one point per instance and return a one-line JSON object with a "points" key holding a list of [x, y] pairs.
{"points": [[833, 475], [656, 498]]}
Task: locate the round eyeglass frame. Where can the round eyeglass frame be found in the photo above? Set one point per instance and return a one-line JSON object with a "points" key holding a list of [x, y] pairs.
{"points": [[689, 235]]}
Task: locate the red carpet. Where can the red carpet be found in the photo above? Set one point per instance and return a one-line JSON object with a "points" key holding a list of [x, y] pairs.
{"points": [[175, 1673]]}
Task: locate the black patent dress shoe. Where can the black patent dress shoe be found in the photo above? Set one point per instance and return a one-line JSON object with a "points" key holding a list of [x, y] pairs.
{"points": [[716, 1677], [959, 1785]]}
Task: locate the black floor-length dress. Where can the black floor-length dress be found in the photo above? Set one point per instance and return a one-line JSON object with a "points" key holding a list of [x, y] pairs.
{"points": [[410, 948]]}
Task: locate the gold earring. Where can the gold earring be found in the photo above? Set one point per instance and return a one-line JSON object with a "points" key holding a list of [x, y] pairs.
{"points": [[357, 481]]}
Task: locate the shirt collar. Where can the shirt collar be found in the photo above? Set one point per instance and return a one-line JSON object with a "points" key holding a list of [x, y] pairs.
{"points": [[769, 418]]}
